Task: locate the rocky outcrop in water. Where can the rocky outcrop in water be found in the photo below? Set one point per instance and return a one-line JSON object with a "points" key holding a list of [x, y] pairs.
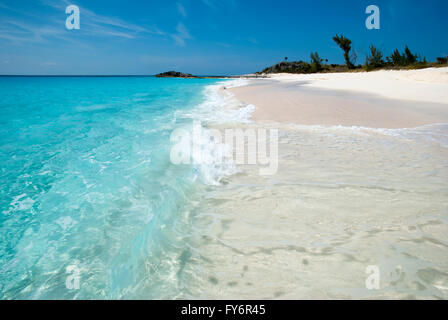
{"points": [[174, 74]]}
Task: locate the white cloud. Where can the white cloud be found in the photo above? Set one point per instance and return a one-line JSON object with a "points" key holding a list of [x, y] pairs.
{"points": [[215, 3], [94, 23], [210, 3], [253, 40], [181, 9], [19, 32], [182, 34], [183, 30]]}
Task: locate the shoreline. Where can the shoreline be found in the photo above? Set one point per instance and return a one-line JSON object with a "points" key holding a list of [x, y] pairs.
{"points": [[342, 200], [381, 99]]}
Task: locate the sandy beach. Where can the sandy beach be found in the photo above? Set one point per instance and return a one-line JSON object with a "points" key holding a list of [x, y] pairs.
{"points": [[382, 99], [352, 190], [202, 151]]}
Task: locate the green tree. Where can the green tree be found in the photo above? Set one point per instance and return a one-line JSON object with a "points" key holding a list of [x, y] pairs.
{"points": [[316, 62], [375, 58], [409, 56], [346, 45], [442, 60], [397, 59]]}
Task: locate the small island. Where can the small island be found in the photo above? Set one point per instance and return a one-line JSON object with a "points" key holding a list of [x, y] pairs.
{"points": [[174, 74]]}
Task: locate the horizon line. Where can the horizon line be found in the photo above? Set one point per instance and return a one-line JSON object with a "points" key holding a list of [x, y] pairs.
{"points": [[103, 76]]}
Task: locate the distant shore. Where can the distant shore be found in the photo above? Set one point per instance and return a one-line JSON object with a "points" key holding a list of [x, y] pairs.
{"points": [[381, 99]]}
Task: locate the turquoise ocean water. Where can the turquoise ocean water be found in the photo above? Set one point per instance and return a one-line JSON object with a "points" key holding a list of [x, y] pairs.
{"points": [[87, 183]]}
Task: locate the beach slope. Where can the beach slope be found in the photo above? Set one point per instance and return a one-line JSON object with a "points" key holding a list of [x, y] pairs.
{"points": [[381, 99]]}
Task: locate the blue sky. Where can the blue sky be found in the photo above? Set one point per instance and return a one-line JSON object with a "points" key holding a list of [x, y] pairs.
{"points": [[207, 37]]}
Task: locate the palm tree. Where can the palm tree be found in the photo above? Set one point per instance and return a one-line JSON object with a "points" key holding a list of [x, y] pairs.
{"points": [[346, 45]]}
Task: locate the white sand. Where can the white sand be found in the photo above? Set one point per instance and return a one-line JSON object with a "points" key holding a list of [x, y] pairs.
{"points": [[383, 99], [344, 198], [430, 85]]}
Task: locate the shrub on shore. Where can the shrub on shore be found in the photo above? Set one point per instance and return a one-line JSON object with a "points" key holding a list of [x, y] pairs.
{"points": [[410, 57], [442, 60], [407, 58], [316, 62], [396, 59], [289, 67], [316, 65], [374, 59]]}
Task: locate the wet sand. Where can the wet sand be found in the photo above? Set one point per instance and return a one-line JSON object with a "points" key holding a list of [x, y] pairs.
{"points": [[349, 193], [296, 102]]}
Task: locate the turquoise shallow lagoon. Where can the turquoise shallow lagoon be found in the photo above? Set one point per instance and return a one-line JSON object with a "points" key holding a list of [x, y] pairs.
{"points": [[89, 193], [87, 183]]}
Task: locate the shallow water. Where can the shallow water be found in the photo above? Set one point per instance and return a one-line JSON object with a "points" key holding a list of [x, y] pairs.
{"points": [[343, 199], [87, 182]]}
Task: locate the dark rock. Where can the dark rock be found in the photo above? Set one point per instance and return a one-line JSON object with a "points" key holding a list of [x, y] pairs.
{"points": [[175, 74]]}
